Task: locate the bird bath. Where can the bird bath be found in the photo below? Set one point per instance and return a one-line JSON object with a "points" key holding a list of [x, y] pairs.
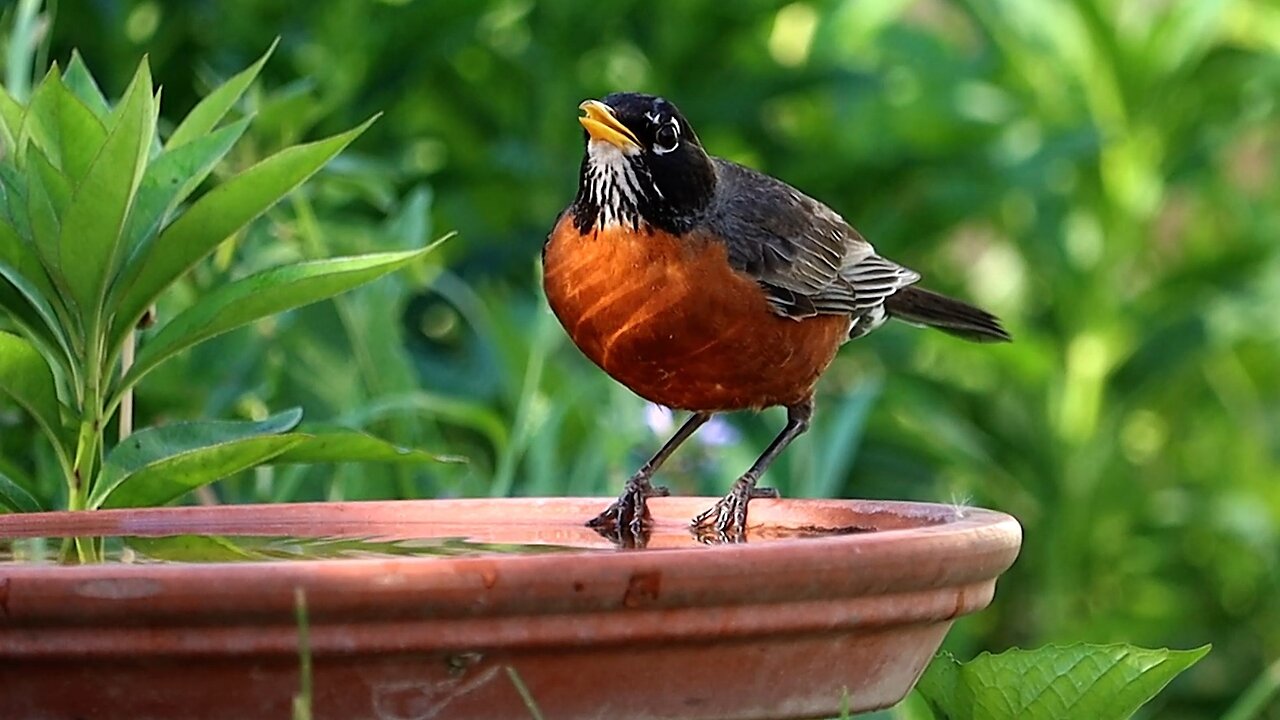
{"points": [[450, 608]]}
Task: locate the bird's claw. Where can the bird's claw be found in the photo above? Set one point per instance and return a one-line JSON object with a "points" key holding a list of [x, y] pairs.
{"points": [[726, 521], [627, 520]]}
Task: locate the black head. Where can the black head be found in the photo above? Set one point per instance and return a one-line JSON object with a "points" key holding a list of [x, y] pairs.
{"points": [[643, 165]]}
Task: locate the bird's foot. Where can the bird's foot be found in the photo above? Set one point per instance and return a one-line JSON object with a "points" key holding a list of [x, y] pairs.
{"points": [[627, 520], [726, 521]]}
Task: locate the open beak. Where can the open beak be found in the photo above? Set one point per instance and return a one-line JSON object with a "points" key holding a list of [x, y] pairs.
{"points": [[602, 125]]}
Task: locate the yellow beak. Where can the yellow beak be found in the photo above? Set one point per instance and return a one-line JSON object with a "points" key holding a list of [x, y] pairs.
{"points": [[602, 125]]}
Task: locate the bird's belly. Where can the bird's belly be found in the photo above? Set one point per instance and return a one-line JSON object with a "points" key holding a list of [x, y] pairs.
{"points": [[670, 319]]}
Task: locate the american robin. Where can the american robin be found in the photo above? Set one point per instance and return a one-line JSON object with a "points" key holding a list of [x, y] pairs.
{"points": [[706, 286]]}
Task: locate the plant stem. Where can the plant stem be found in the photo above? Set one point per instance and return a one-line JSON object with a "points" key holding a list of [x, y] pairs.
{"points": [[126, 397], [89, 440], [302, 699], [529, 703], [122, 397], [86, 453]]}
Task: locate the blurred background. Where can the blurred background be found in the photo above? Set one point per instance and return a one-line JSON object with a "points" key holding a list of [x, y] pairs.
{"points": [[1101, 174]]}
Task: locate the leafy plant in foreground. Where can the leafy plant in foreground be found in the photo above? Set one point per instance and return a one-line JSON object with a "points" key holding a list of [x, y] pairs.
{"points": [[92, 231], [1101, 682]]}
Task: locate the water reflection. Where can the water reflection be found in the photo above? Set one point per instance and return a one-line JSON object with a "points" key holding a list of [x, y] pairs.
{"points": [[260, 548], [222, 548]]}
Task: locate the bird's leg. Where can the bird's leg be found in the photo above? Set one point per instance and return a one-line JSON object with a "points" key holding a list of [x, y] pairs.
{"points": [[728, 517], [630, 513]]}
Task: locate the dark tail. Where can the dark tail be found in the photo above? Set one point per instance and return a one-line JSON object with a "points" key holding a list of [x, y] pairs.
{"points": [[923, 307]]}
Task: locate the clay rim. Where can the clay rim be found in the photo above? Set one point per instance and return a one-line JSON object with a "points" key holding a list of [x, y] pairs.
{"points": [[965, 551]]}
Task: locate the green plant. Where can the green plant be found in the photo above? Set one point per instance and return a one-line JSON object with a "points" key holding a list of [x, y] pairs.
{"points": [[302, 700], [1102, 682], [529, 703], [95, 225]]}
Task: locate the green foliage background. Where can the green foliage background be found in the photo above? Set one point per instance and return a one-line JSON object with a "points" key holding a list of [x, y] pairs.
{"points": [[1101, 174]]}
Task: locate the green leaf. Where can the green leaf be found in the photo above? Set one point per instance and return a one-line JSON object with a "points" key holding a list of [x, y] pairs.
{"points": [[30, 300], [328, 446], [289, 111], [206, 114], [23, 319], [170, 178], [77, 131], [27, 378], [39, 126], [54, 182], [192, 548], [159, 464], [12, 302], [13, 185], [10, 123], [48, 194], [261, 295], [409, 226], [15, 498], [92, 226], [470, 415], [80, 81], [1101, 682], [213, 218]]}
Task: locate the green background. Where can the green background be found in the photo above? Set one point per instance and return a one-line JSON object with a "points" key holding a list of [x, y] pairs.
{"points": [[1102, 175]]}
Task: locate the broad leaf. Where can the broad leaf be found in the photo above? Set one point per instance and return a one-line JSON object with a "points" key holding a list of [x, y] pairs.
{"points": [[261, 295], [80, 81], [13, 185], [54, 182], [353, 446], [20, 311], [1101, 682], [38, 120], [77, 131], [48, 194], [27, 378], [23, 319], [171, 177], [159, 464], [10, 123], [26, 291], [18, 262], [92, 226], [213, 218], [15, 498], [206, 114]]}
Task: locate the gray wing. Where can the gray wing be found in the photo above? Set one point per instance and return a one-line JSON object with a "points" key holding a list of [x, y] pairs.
{"points": [[808, 260]]}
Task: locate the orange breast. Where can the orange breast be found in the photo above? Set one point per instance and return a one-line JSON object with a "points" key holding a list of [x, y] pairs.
{"points": [[671, 320]]}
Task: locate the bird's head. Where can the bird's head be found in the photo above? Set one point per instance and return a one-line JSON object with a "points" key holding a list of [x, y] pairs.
{"points": [[643, 165]]}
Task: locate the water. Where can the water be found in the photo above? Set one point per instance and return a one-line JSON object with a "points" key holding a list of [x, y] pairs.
{"points": [[262, 548], [196, 548]]}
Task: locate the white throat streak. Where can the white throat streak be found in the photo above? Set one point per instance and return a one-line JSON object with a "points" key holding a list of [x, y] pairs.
{"points": [[612, 184]]}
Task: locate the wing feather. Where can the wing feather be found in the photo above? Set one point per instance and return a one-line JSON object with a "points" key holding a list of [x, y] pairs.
{"points": [[808, 260]]}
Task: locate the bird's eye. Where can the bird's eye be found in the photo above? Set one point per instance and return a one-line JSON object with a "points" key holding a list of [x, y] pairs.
{"points": [[666, 138]]}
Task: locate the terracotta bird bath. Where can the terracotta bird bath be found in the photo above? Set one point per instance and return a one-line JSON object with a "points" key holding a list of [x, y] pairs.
{"points": [[450, 608]]}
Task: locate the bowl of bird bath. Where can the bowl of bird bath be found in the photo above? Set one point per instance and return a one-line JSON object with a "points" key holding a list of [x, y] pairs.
{"points": [[477, 608]]}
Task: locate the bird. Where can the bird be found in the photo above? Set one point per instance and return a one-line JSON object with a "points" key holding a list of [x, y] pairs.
{"points": [[705, 286]]}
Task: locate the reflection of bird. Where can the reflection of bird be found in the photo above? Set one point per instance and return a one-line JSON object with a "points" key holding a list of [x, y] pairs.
{"points": [[705, 286]]}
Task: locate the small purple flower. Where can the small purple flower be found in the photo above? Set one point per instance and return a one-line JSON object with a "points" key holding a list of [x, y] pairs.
{"points": [[717, 432]]}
